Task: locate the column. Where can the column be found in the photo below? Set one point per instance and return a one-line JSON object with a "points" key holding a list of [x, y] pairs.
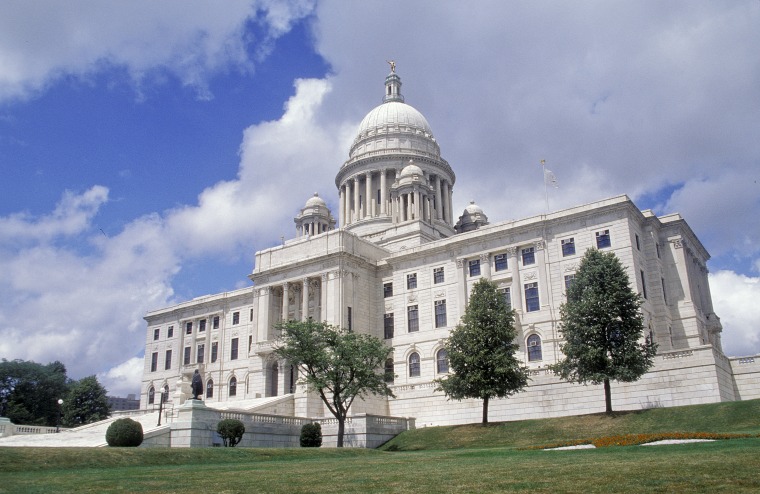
{"points": [[462, 285], [383, 192], [543, 280], [322, 315], [438, 204], [417, 205], [446, 204], [485, 265], [305, 300], [368, 202], [342, 207], [449, 215], [517, 288], [285, 303], [356, 216], [263, 314]]}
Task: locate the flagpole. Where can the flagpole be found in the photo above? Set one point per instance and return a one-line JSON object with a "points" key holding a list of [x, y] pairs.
{"points": [[546, 187]]}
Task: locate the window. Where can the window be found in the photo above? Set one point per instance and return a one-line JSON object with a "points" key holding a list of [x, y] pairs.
{"points": [[201, 325], [507, 294], [411, 281], [168, 360], [474, 267], [603, 239], [350, 324], [568, 247], [440, 313], [664, 292], [170, 332], [531, 297], [250, 315], [186, 356], [528, 256], [438, 275], [200, 353], [643, 284], [210, 388], [534, 348], [638, 242], [214, 351], [442, 361], [657, 247], [387, 290], [234, 349], [233, 386], [236, 318], [189, 328], [151, 396], [390, 374], [215, 322], [412, 318], [569, 279], [388, 326], [500, 262], [156, 333], [153, 361], [414, 365]]}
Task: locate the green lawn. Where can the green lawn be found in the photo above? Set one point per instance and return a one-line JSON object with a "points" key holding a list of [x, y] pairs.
{"points": [[487, 459]]}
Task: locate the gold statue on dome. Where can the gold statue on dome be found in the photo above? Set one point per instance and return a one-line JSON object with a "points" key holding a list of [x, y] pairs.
{"points": [[392, 63]]}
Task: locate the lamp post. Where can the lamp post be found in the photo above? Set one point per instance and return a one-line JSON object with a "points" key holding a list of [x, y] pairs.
{"points": [[60, 413]]}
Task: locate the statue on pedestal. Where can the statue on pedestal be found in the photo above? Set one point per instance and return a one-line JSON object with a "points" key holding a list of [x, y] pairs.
{"points": [[197, 385]]}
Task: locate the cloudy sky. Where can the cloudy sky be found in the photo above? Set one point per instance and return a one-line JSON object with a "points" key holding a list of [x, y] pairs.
{"points": [[148, 149]]}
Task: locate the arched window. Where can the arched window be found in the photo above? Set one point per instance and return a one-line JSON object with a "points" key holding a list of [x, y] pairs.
{"points": [[151, 396], [166, 393], [210, 388], [534, 348], [414, 365], [390, 375], [442, 361], [233, 386]]}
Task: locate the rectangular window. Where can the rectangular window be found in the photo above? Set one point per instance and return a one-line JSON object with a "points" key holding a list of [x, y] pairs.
{"points": [[531, 297], [186, 356], [664, 292], [529, 256], [378, 196], [507, 294], [603, 239], [638, 242], [200, 353], [500, 262], [411, 281], [657, 247], [234, 349], [214, 351], [387, 290], [568, 247], [438, 275], [250, 315], [215, 322], [168, 360], [350, 322], [170, 332], [388, 326], [153, 361], [236, 318], [569, 281], [440, 313], [643, 284], [412, 317], [156, 333], [189, 328], [474, 266], [201, 325]]}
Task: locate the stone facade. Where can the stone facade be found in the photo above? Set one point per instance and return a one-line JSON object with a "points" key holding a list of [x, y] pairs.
{"points": [[399, 268]]}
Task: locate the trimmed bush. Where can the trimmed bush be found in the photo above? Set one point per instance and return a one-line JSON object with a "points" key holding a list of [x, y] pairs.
{"points": [[124, 433], [311, 435], [231, 431]]}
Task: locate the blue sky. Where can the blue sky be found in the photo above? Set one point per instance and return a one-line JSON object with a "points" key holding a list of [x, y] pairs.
{"points": [[149, 149]]}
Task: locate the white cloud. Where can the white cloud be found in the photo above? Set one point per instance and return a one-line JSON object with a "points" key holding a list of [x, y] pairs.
{"points": [[735, 300], [124, 378]]}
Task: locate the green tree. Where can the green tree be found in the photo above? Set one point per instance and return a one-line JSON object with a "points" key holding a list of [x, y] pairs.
{"points": [[338, 365], [85, 403], [603, 327], [481, 350], [29, 391], [231, 431]]}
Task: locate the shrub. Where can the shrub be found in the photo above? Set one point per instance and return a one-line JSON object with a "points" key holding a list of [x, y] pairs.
{"points": [[231, 430], [124, 433], [311, 435]]}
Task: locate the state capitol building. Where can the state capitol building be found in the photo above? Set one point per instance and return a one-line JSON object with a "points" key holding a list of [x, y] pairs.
{"points": [[396, 261]]}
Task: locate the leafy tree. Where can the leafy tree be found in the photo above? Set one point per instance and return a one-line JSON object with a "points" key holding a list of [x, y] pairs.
{"points": [[30, 391], [481, 350], [231, 430], [338, 365], [603, 327], [311, 435], [85, 403]]}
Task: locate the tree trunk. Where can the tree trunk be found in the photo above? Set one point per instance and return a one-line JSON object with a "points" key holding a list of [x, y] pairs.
{"points": [[607, 396], [485, 410], [341, 427]]}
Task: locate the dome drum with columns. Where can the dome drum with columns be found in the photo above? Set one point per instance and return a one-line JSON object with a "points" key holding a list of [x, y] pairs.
{"points": [[314, 218]]}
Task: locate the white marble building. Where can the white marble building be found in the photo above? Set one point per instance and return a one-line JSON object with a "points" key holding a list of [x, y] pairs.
{"points": [[399, 264]]}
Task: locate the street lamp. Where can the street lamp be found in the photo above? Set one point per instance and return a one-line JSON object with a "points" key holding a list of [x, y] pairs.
{"points": [[60, 413]]}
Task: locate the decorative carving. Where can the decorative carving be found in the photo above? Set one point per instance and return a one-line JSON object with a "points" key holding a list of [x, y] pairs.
{"points": [[412, 297], [264, 291], [485, 258], [571, 267], [539, 245], [388, 307], [460, 263], [531, 275], [678, 243], [511, 251], [440, 294]]}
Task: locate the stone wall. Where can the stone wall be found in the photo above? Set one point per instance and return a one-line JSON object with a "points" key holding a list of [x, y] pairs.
{"points": [[746, 372]]}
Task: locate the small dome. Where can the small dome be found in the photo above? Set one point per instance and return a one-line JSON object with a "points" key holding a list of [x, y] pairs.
{"points": [[411, 170], [315, 201], [473, 208]]}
